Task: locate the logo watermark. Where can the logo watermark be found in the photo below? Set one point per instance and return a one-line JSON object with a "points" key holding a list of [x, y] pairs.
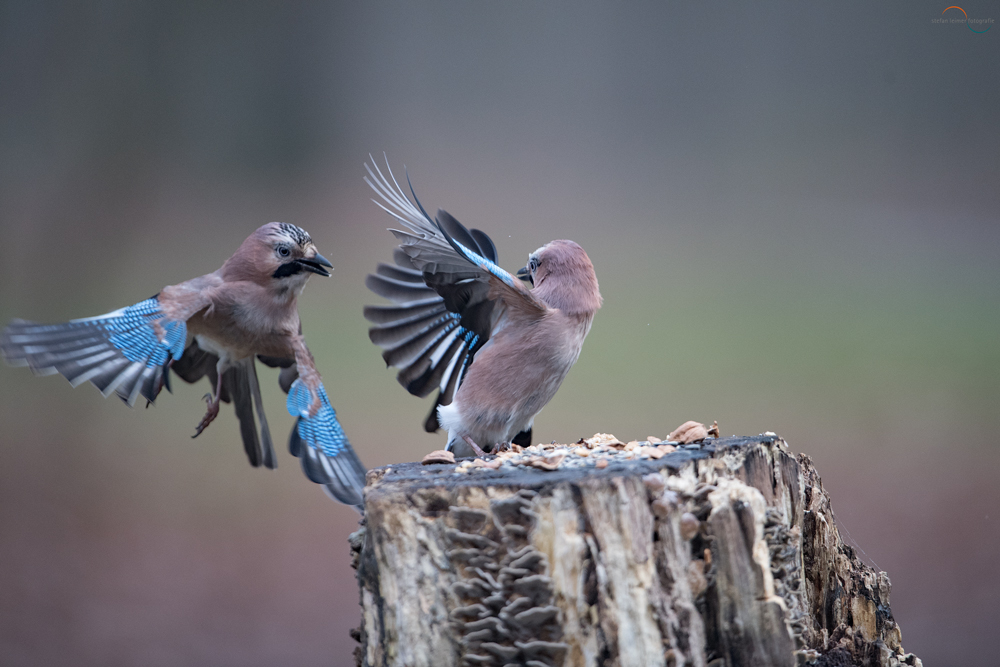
{"points": [[953, 18]]}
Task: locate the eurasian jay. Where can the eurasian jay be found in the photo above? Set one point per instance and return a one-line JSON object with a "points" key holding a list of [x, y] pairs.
{"points": [[214, 325], [496, 350]]}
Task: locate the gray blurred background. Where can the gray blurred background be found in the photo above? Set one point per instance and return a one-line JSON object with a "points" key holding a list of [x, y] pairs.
{"points": [[792, 209]]}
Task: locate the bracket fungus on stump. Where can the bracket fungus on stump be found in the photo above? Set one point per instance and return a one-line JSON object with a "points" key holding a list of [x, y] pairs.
{"points": [[605, 553]]}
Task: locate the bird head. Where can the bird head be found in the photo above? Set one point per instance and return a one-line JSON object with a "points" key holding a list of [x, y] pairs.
{"points": [[563, 277], [278, 255]]}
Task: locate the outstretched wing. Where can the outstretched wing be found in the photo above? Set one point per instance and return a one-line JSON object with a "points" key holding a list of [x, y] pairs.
{"points": [[449, 295], [317, 438], [127, 351]]}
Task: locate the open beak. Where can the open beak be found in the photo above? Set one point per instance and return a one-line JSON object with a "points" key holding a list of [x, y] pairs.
{"points": [[524, 274], [315, 264]]}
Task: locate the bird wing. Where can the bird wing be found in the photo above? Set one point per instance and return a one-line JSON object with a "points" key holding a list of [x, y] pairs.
{"points": [[317, 437], [449, 295], [127, 351]]}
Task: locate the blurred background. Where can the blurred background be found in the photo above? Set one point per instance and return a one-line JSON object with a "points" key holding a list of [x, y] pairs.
{"points": [[792, 209]]}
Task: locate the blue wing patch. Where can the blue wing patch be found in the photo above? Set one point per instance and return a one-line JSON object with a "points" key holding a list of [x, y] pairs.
{"points": [[140, 343], [322, 431], [118, 352], [483, 263], [320, 443]]}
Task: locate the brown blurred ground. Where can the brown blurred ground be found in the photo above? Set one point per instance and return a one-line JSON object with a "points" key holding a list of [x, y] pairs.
{"points": [[792, 210]]}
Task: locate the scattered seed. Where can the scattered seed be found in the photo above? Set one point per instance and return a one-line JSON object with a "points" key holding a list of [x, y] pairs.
{"points": [[438, 456]]}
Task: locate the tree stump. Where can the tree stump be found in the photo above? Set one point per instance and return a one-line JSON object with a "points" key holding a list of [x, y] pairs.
{"points": [[723, 553]]}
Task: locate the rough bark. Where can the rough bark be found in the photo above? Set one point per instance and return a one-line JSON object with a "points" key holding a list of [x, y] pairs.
{"points": [[725, 553]]}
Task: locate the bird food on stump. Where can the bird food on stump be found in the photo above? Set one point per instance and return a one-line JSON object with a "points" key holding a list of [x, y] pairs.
{"points": [[605, 553]]}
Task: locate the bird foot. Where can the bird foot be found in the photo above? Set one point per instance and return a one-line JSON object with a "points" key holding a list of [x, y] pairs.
{"points": [[501, 447], [475, 448], [210, 415]]}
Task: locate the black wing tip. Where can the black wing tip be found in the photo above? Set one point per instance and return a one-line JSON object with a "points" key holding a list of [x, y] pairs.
{"points": [[448, 237], [346, 484], [486, 246]]}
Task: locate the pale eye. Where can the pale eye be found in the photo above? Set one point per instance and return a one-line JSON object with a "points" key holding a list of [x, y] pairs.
{"points": [[283, 251]]}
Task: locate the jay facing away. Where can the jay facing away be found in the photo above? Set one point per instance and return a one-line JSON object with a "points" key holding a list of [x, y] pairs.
{"points": [[495, 350], [214, 325]]}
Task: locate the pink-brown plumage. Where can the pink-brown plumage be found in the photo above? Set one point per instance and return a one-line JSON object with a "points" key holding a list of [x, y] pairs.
{"points": [[214, 325], [454, 304], [529, 354]]}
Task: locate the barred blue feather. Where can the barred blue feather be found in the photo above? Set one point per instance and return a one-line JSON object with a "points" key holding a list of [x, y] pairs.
{"points": [[117, 352], [480, 261], [138, 342], [319, 441]]}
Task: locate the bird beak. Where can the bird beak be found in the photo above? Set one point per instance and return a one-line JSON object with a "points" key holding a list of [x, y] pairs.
{"points": [[524, 274], [315, 264]]}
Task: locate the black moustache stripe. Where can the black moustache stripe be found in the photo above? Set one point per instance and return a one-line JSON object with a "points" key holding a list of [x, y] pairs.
{"points": [[289, 269]]}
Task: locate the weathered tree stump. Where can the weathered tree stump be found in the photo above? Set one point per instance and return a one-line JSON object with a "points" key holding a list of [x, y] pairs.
{"points": [[725, 553]]}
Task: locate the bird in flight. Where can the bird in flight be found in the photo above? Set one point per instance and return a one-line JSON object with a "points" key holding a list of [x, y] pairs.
{"points": [[495, 350], [214, 325]]}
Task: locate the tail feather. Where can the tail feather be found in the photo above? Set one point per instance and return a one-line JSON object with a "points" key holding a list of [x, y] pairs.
{"points": [[244, 390], [235, 379], [267, 446], [120, 352]]}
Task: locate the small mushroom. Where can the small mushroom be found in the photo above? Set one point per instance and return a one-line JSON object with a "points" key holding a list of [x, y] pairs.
{"points": [[555, 651], [468, 519], [536, 616], [469, 539], [516, 607], [661, 507], [507, 654], [696, 577], [473, 611], [689, 526], [654, 483], [529, 560]]}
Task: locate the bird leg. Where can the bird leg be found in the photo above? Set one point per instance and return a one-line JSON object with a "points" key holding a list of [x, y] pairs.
{"points": [[213, 408], [475, 448]]}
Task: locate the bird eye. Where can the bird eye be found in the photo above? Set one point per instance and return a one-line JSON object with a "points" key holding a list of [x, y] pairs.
{"points": [[533, 264], [283, 251]]}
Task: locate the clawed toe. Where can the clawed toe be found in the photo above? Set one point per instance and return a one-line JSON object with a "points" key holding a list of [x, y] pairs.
{"points": [[475, 448], [210, 415]]}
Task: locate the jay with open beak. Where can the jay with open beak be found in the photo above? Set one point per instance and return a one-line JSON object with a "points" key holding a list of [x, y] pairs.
{"points": [[496, 350], [215, 325]]}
